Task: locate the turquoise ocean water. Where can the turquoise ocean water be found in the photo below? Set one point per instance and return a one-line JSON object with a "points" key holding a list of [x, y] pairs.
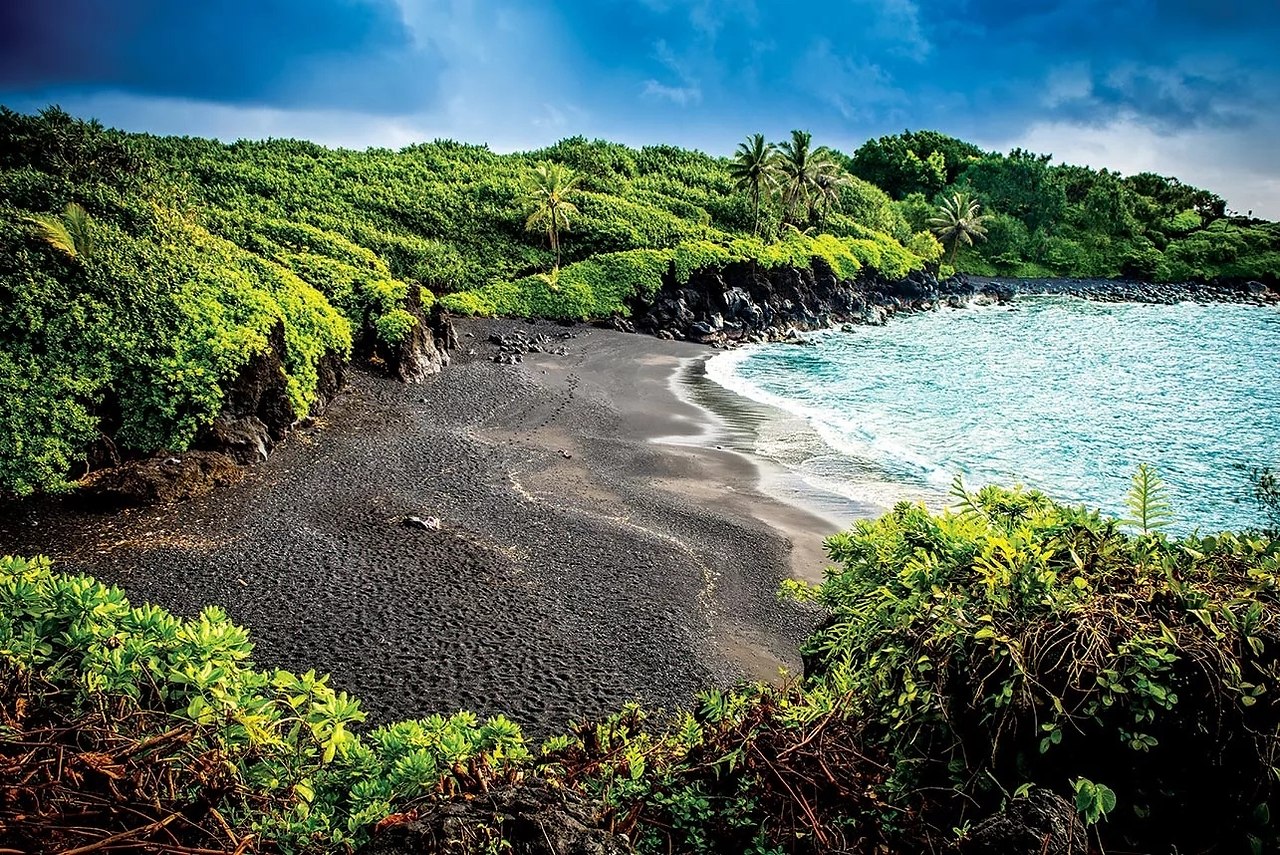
{"points": [[1058, 393]]}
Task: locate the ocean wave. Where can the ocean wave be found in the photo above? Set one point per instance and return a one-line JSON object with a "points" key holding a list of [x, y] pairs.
{"points": [[1064, 395]]}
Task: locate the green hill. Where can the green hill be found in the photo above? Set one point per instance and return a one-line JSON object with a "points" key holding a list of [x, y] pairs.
{"points": [[198, 249], [127, 315], [1047, 219]]}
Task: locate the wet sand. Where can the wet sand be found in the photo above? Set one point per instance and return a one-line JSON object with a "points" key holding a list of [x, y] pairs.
{"points": [[578, 563]]}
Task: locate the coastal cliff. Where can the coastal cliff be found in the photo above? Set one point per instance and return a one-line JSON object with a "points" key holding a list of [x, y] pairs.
{"points": [[743, 302], [738, 303]]}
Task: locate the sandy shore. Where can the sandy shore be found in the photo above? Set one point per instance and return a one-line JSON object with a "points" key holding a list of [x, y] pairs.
{"points": [[578, 563]]}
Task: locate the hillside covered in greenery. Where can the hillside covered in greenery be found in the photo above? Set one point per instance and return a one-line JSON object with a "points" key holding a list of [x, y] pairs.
{"points": [[1046, 219], [139, 275]]}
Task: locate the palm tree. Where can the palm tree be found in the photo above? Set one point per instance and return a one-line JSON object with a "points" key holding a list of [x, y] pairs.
{"points": [[796, 165], [808, 175], [754, 170], [546, 194], [958, 223], [829, 180], [68, 233]]}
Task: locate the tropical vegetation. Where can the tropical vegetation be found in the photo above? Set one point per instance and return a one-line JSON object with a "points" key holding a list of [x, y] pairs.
{"points": [[969, 659], [1048, 219], [140, 274]]}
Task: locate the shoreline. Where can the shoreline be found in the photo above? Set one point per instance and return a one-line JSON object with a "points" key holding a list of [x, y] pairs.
{"points": [[570, 562]]}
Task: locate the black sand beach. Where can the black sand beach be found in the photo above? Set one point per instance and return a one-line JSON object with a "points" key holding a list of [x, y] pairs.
{"points": [[577, 564]]}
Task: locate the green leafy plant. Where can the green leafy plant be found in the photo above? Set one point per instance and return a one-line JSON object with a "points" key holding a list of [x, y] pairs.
{"points": [[395, 326], [293, 769], [1018, 640], [71, 233], [1093, 801], [1148, 501]]}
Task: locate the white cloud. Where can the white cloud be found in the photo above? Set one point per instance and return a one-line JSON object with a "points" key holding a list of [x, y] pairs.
{"points": [[859, 89], [1239, 167], [689, 91], [1067, 83], [898, 22], [682, 95]]}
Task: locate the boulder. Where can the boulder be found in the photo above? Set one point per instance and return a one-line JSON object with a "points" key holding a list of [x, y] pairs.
{"points": [[1041, 823], [424, 350], [245, 440], [530, 818], [168, 478]]}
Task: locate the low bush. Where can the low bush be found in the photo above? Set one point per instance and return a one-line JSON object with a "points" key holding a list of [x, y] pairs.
{"points": [[1018, 642], [968, 656], [97, 687]]}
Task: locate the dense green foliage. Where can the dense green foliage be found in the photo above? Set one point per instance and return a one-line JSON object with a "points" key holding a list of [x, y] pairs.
{"points": [[302, 777], [969, 656], [1018, 641], [140, 274], [1062, 220]]}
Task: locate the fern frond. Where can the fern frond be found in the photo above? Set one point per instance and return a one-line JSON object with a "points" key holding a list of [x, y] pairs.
{"points": [[1148, 501]]}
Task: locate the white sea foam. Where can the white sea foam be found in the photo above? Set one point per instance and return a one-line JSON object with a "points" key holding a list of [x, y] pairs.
{"points": [[1064, 395]]}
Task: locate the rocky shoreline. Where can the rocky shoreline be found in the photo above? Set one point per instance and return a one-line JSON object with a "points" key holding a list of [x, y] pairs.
{"points": [[743, 303]]}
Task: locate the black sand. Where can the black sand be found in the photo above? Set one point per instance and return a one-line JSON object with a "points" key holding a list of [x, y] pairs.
{"points": [[578, 565]]}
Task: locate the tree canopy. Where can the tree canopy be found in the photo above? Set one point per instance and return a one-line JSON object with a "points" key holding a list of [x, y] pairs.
{"points": [[1047, 219]]}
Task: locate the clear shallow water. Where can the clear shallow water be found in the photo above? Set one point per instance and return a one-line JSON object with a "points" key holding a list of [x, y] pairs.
{"points": [[1062, 394]]}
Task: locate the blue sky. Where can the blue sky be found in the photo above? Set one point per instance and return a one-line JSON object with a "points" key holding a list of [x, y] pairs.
{"points": [[1183, 87]]}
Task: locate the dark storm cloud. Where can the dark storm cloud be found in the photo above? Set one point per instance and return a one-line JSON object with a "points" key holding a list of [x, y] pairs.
{"points": [[283, 53]]}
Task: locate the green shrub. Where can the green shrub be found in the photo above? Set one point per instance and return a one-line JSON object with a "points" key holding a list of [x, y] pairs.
{"points": [[468, 303], [1017, 641], [925, 246], [395, 326], [303, 779], [595, 288]]}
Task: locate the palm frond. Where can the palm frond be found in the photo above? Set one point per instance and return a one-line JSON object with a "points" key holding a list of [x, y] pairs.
{"points": [[53, 232], [79, 227]]}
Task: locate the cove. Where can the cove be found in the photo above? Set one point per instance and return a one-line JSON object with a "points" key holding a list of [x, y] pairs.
{"points": [[1060, 393]]}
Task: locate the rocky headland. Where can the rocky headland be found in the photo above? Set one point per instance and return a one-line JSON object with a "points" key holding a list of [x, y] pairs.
{"points": [[744, 303]]}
